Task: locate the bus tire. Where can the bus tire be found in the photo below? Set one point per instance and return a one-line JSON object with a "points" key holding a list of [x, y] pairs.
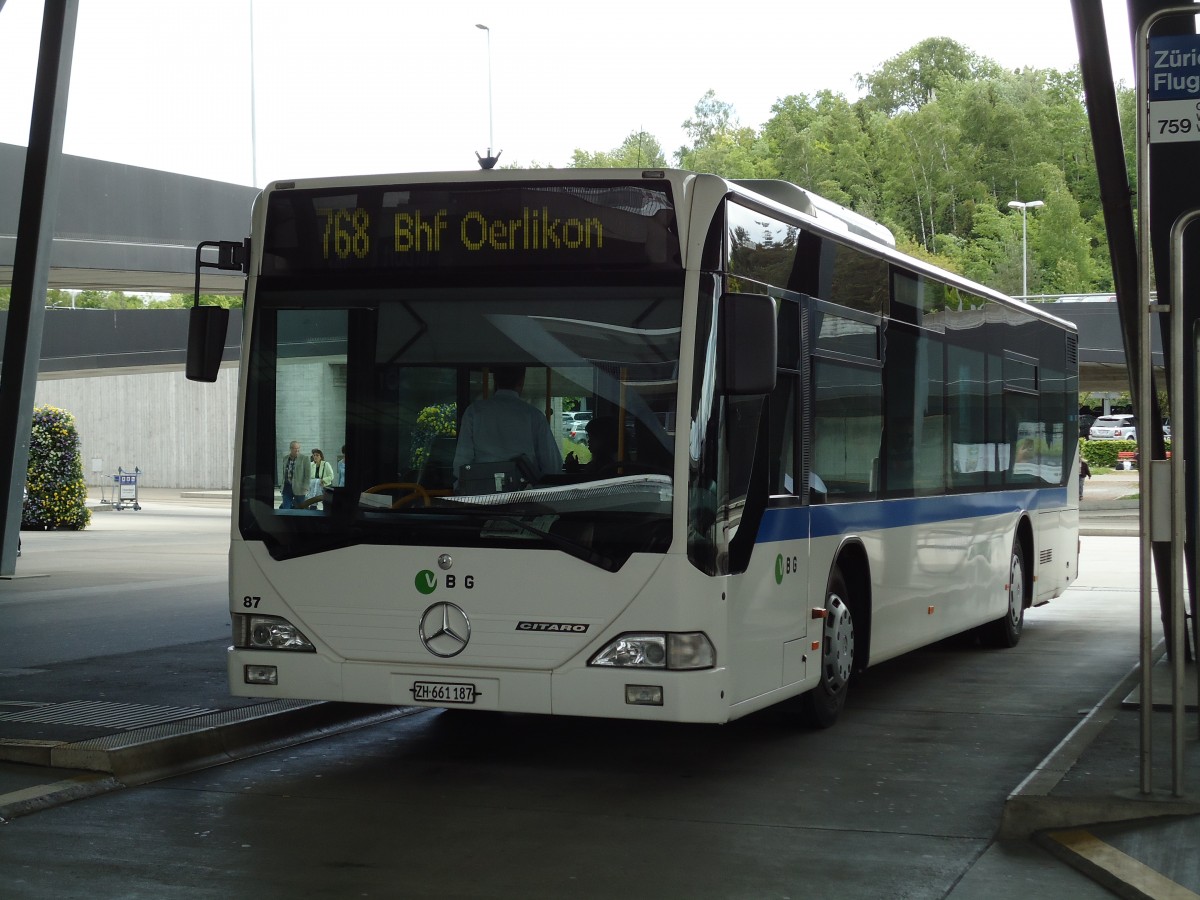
{"points": [[1005, 632], [821, 706]]}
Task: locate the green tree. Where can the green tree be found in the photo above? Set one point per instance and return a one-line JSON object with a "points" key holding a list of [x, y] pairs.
{"points": [[186, 301], [640, 150], [722, 146], [711, 117], [820, 143], [108, 300], [913, 78], [921, 165], [993, 253], [1061, 244]]}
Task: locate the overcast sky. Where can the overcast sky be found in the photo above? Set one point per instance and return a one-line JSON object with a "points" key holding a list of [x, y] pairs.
{"points": [[367, 86]]}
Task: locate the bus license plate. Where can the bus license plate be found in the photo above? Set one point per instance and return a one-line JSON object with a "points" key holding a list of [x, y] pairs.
{"points": [[444, 692]]}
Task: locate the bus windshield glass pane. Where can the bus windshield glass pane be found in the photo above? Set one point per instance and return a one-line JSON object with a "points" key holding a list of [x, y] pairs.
{"points": [[380, 381]]}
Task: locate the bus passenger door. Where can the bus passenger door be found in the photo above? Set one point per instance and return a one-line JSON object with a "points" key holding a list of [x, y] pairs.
{"points": [[769, 617]]}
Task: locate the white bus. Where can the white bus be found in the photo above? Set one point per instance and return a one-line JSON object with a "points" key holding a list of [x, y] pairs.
{"points": [[828, 453]]}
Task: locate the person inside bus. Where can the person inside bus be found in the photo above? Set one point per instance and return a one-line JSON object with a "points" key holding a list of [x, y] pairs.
{"points": [[602, 443], [503, 428]]}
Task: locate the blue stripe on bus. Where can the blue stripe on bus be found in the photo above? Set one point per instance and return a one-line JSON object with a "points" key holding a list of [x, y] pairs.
{"points": [[793, 523]]}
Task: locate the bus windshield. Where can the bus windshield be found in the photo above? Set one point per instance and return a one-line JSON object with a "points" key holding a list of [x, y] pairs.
{"points": [[355, 400]]}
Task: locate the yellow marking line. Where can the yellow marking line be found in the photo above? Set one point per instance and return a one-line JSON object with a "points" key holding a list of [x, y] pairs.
{"points": [[1128, 870]]}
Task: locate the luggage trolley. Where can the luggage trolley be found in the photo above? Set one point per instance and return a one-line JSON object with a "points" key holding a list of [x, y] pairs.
{"points": [[127, 488]]}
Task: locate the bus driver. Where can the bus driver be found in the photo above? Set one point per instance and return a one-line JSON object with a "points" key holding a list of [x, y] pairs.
{"points": [[503, 427]]}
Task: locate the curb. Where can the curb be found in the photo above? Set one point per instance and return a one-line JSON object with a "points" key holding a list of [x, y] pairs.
{"points": [[1030, 809], [160, 751]]}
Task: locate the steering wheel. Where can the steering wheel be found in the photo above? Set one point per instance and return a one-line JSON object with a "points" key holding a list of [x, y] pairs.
{"points": [[415, 490]]}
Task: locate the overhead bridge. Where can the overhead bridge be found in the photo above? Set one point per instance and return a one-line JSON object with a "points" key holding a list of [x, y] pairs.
{"points": [[126, 228]]}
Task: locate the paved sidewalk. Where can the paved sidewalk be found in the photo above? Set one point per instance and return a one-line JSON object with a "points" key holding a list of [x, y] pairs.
{"points": [[1109, 505]]}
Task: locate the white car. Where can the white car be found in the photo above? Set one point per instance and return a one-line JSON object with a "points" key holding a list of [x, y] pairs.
{"points": [[1121, 427], [577, 432]]}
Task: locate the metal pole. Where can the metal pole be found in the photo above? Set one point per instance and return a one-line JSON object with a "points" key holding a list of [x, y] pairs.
{"points": [[1146, 620], [1024, 255], [1024, 207], [31, 264], [253, 116], [1178, 500], [1145, 368], [491, 136], [1195, 620], [491, 133]]}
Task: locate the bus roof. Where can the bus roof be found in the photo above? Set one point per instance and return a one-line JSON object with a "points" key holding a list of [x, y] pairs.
{"points": [[817, 212]]}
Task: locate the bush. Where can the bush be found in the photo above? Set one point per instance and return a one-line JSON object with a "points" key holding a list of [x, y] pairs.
{"points": [[440, 420], [57, 492], [1103, 454]]}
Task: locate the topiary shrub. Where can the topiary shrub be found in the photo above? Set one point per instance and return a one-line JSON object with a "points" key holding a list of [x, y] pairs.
{"points": [[57, 492], [440, 420]]}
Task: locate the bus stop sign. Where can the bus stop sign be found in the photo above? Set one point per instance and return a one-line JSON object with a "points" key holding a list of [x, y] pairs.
{"points": [[1174, 89]]}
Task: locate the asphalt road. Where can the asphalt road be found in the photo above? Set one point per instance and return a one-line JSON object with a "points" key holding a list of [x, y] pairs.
{"points": [[900, 799], [136, 579]]}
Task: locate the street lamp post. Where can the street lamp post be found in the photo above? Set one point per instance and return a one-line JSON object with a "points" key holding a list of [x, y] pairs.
{"points": [[487, 162], [1017, 204]]}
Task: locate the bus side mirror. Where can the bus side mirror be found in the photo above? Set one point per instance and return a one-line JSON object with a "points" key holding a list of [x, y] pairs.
{"points": [[748, 344], [207, 326]]}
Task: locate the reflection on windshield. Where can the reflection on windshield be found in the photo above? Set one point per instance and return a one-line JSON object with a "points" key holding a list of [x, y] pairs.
{"points": [[576, 453]]}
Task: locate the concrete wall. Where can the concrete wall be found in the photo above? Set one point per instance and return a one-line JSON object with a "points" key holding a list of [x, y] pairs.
{"points": [[179, 433], [311, 406]]}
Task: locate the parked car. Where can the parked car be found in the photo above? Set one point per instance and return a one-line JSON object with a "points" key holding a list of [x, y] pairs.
{"points": [[1120, 427], [577, 432]]}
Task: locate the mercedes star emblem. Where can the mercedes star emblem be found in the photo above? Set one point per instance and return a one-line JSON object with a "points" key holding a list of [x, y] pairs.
{"points": [[445, 630]]}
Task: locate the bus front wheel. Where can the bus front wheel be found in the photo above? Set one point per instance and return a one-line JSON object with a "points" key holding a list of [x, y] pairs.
{"points": [[824, 702], [1006, 631]]}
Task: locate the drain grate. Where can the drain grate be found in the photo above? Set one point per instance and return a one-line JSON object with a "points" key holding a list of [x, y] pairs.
{"points": [[102, 714]]}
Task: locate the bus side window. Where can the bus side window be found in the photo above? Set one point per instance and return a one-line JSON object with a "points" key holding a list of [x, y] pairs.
{"points": [[847, 427], [781, 450]]}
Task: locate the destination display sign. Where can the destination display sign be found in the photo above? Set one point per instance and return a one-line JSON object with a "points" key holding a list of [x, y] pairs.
{"points": [[617, 224], [1173, 83]]}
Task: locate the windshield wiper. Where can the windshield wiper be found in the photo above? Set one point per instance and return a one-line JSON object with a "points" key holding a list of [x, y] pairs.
{"points": [[568, 546]]}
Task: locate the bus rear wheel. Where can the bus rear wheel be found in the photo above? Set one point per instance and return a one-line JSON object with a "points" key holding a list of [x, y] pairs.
{"points": [[1005, 632], [822, 704]]}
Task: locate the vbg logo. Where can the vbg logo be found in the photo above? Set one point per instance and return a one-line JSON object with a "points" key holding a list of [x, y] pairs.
{"points": [[426, 581], [785, 565]]}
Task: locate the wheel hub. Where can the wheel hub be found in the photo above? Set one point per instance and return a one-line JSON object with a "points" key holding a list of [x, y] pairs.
{"points": [[839, 643]]}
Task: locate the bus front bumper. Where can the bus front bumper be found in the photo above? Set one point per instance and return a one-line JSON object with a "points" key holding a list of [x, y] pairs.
{"points": [[644, 694]]}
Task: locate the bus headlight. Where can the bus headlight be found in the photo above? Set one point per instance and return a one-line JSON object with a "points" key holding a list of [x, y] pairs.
{"points": [[670, 650], [268, 633]]}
